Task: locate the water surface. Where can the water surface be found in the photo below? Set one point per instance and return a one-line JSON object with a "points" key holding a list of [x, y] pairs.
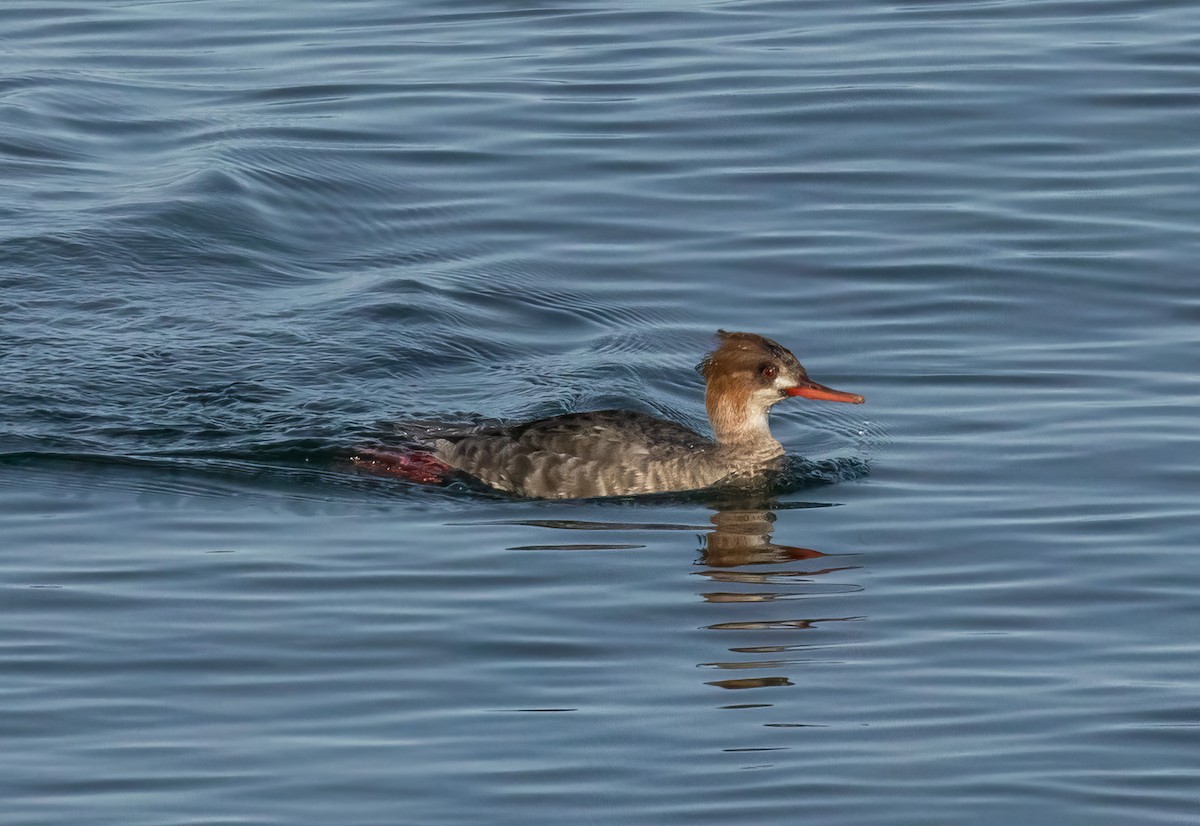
{"points": [[238, 240]]}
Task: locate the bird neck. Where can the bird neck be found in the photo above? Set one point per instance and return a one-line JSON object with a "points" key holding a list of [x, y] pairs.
{"points": [[738, 419]]}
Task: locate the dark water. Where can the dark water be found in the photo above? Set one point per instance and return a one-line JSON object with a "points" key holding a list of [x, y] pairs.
{"points": [[238, 239]]}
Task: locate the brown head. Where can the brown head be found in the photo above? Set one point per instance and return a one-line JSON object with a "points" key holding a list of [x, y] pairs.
{"points": [[746, 375]]}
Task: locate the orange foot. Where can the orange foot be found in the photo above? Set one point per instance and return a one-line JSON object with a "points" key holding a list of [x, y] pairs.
{"points": [[413, 465]]}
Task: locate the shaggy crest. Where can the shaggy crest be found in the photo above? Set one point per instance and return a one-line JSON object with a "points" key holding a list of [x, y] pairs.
{"points": [[745, 352]]}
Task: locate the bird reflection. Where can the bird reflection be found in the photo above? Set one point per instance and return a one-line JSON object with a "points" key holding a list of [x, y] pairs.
{"points": [[743, 537], [752, 576], [741, 541]]}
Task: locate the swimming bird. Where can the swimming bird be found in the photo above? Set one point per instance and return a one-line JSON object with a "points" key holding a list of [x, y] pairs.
{"points": [[624, 452]]}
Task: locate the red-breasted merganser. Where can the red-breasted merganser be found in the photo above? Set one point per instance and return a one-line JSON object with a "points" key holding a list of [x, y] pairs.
{"points": [[622, 452]]}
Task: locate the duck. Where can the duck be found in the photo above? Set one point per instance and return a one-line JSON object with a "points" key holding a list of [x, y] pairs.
{"points": [[607, 453]]}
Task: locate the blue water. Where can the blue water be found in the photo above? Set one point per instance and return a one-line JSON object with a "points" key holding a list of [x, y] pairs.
{"points": [[238, 240]]}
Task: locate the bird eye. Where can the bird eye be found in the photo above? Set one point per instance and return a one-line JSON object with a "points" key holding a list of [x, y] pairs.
{"points": [[768, 371]]}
